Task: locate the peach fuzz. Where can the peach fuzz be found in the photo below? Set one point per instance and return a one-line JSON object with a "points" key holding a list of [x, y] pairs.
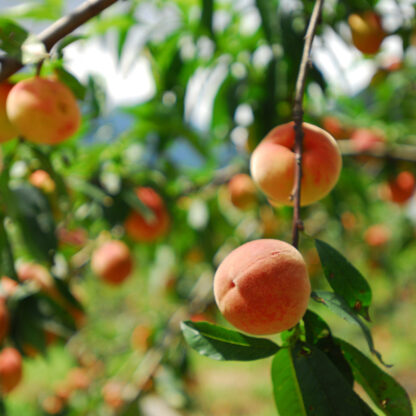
{"points": [[43, 110], [112, 262], [366, 31], [262, 287], [10, 369], [273, 163], [138, 228], [7, 130], [242, 191]]}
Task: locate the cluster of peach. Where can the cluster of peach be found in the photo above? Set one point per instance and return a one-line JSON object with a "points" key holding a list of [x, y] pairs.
{"points": [[262, 287], [41, 110], [37, 277], [112, 261]]}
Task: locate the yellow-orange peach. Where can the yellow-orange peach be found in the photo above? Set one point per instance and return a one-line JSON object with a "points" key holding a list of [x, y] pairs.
{"points": [[43, 110], [42, 180], [7, 130], [10, 369], [140, 229], [272, 164], [262, 287], [367, 31], [242, 190], [112, 262]]}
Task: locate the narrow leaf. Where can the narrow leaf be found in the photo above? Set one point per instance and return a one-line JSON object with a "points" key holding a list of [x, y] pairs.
{"points": [[345, 279], [383, 389], [220, 343], [6, 254]]}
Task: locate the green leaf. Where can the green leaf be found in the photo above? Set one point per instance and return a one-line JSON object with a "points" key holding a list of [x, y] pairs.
{"points": [[338, 305], [315, 327], [223, 344], [130, 198], [383, 389], [71, 82], [306, 382], [207, 16], [345, 279], [31, 210], [11, 37], [6, 253]]}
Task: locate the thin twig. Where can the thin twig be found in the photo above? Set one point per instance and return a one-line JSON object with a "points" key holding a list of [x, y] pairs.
{"points": [[298, 118], [58, 30]]}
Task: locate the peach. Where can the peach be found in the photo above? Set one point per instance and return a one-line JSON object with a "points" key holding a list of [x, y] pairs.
{"points": [[43, 110], [112, 262], [42, 180], [364, 139], [138, 228], [242, 191], [39, 275], [262, 287], [52, 405], [78, 379], [112, 392], [377, 235], [7, 130], [335, 128], [8, 286], [76, 237], [10, 369], [400, 189], [366, 31], [273, 163]]}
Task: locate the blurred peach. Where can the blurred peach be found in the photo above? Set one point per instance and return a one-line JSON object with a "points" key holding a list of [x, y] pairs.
{"points": [[242, 191], [76, 237], [399, 189], [52, 405], [11, 369], [8, 286], [78, 379], [112, 393], [140, 337], [348, 220], [377, 235], [42, 180]]}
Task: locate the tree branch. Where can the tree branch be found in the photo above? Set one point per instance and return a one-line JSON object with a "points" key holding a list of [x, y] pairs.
{"points": [[58, 30], [298, 118]]}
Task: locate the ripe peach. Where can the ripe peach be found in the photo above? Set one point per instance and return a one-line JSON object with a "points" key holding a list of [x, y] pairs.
{"points": [[401, 188], [4, 319], [10, 369], [43, 110], [335, 128], [8, 286], [39, 275], [112, 393], [52, 405], [112, 262], [364, 139], [273, 163], [243, 193], [377, 235], [76, 237], [142, 230], [262, 287], [78, 379], [42, 180], [7, 130], [367, 31]]}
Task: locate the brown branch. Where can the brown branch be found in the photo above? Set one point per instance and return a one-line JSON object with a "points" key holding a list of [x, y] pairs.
{"points": [[58, 30], [298, 118]]}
